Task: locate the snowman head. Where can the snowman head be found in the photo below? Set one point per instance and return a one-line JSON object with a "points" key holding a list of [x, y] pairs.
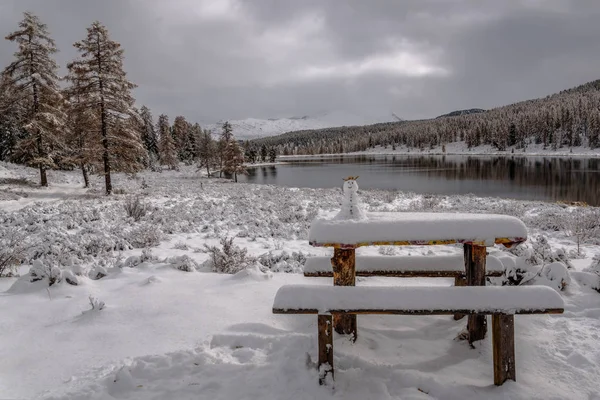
{"points": [[350, 184]]}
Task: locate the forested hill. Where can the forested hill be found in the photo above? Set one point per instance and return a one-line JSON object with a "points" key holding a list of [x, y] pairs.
{"points": [[462, 112], [566, 119]]}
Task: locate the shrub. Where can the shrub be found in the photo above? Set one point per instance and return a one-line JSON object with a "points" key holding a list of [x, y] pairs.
{"points": [[40, 271], [282, 262], [96, 303], [229, 259], [12, 253], [135, 208], [144, 236], [183, 263]]}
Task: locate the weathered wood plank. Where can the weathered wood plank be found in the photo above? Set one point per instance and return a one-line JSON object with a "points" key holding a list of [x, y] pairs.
{"points": [[503, 344], [325, 325], [460, 281], [344, 274], [475, 268], [410, 312]]}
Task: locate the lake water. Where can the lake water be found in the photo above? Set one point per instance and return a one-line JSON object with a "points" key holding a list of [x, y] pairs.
{"points": [[530, 178]]}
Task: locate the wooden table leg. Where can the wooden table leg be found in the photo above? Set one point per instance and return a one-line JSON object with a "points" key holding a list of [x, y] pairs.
{"points": [[475, 268], [325, 347], [344, 274], [503, 344]]}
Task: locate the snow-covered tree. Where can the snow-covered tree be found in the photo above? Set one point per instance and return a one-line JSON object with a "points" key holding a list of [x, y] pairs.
{"points": [[180, 131], [106, 91], [234, 159], [166, 146], [206, 152], [83, 128], [33, 78], [149, 134], [12, 115]]}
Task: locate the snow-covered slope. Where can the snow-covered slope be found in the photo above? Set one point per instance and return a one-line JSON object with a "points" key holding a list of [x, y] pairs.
{"points": [[252, 128]]}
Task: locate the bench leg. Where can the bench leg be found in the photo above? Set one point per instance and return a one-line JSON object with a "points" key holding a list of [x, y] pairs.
{"points": [[503, 342], [459, 281], [325, 347], [344, 274], [475, 268]]}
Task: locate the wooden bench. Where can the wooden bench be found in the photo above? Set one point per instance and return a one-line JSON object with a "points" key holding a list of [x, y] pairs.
{"points": [[474, 231], [500, 302], [451, 266]]}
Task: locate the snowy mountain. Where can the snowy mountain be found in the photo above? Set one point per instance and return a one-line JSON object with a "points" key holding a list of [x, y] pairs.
{"points": [[253, 128]]}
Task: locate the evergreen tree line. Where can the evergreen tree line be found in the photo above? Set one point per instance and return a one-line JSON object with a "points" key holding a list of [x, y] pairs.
{"points": [[567, 119], [91, 122]]}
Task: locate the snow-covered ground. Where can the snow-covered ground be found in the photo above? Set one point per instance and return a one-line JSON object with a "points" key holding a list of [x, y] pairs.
{"points": [[168, 333]]}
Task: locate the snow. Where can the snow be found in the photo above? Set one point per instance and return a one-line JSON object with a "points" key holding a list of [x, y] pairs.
{"points": [[398, 227], [449, 263], [493, 299], [167, 333]]}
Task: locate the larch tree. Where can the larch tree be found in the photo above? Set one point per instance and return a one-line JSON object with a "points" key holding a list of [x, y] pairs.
{"points": [[83, 127], [206, 152], [234, 159], [180, 131], [12, 115], [33, 78], [149, 135], [166, 147], [106, 90]]}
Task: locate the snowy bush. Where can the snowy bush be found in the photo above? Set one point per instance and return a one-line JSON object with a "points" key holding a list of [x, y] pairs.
{"points": [[183, 263], [97, 272], [229, 259], [40, 271], [96, 303], [135, 208], [282, 262], [555, 275], [145, 235], [12, 252], [147, 255]]}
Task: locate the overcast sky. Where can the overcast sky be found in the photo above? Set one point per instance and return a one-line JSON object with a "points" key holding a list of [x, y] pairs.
{"points": [[230, 59]]}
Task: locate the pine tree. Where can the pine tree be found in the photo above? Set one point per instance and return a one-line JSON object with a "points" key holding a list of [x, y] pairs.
{"points": [[206, 151], [226, 132], [263, 153], [272, 155], [33, 77], [107, 92], [167, 150], [149, 135]]}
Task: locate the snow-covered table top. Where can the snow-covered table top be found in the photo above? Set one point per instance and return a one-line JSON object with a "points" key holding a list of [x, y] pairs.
{"points": [[313, 299], [406, 228]]}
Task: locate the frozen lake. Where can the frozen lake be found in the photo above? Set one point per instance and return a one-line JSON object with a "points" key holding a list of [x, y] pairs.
{"points": [[529, 178]]}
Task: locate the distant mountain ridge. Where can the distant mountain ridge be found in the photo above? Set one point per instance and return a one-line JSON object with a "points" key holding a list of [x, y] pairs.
{"points": [[255, 128]]}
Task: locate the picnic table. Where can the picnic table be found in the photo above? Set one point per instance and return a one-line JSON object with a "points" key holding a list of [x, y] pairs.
{"points": [[474, 231]]}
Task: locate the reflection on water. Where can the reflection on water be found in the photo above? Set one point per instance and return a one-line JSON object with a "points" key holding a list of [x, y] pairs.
{"points": [[534, 178]]}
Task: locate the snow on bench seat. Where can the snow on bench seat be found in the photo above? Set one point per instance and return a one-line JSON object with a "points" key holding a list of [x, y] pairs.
{"points": [[314, 299], [405, 228], [434, 266]]}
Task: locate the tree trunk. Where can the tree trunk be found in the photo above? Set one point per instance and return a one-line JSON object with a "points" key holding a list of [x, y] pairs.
{"points": [[235, 177], [86, 178], [43, 177], [104, 127]]}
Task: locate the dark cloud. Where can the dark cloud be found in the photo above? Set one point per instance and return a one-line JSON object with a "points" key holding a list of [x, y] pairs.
{"points": [[212, 60]]}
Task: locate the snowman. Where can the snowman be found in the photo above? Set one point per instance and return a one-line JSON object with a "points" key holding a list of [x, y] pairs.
{"points": [[351, 207]]}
